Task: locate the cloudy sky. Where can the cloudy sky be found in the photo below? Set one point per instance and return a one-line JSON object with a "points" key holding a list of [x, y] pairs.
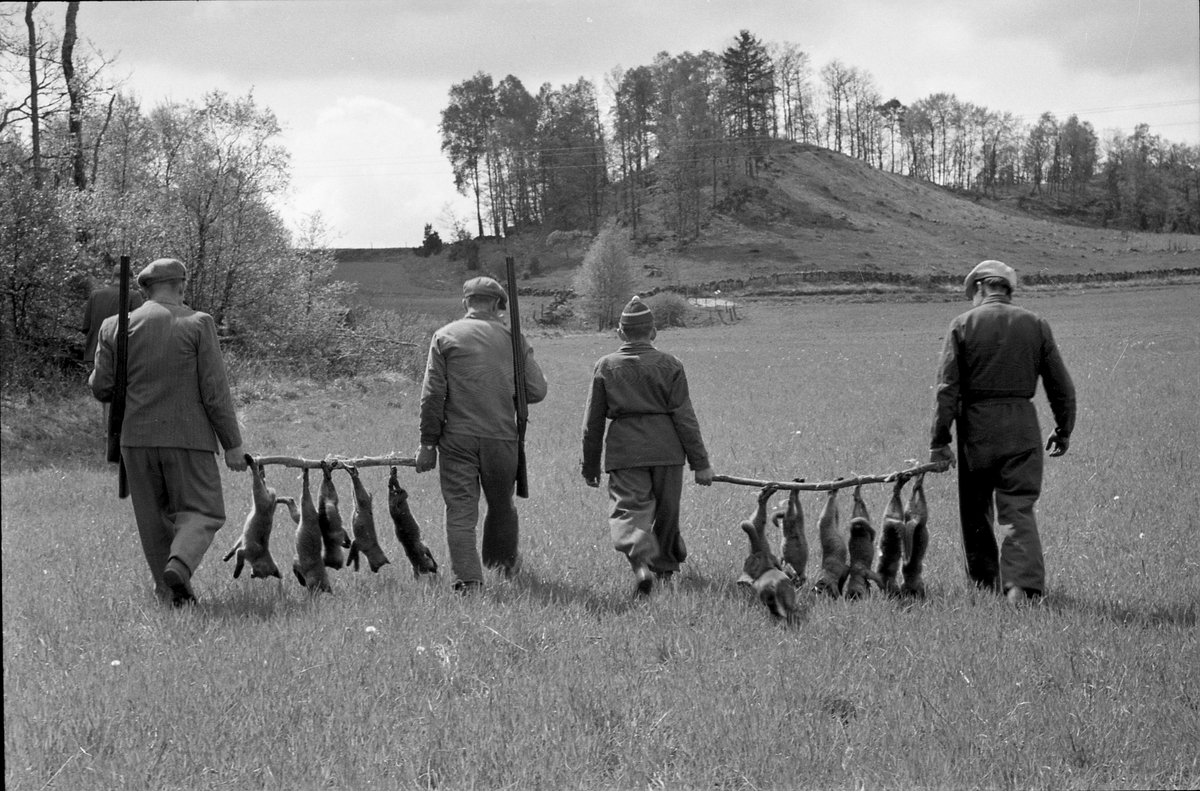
{"points": [[359, 85]]}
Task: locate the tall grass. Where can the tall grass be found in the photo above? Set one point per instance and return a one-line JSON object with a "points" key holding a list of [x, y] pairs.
{"points": [[557, 679]]}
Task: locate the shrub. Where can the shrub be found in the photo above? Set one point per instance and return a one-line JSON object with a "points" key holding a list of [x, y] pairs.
{"points": [[670, 309], [431, 244], [41, 271], [605, 281], [466, 250], [367, 341]]}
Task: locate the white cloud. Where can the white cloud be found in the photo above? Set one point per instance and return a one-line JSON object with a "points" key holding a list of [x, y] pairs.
{"points": [[373, 169]]}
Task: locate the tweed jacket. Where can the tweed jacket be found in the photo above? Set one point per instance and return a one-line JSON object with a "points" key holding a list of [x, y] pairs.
{"points": [[992, 360], [177, 394]]}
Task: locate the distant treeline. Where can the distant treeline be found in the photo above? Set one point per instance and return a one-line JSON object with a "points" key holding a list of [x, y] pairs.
{"points": [[865, 276], [681, 132]]}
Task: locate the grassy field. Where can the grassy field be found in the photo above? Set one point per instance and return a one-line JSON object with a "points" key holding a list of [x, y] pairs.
{"points": [[557, 680]]}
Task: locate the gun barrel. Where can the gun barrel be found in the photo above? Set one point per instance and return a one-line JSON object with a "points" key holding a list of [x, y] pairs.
{"points": [[116, 412], [514, 321]]}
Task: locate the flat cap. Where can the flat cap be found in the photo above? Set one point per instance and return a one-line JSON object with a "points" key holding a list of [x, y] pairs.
{"points": [[637, 314], [161, 270], [486, 287], [985, 269]]}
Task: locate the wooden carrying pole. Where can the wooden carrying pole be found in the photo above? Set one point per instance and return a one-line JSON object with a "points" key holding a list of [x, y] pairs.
{"points": [[840, 483], [338, 461]]}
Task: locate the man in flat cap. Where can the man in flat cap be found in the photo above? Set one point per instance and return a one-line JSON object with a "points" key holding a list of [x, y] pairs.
{"points": [[468, 415], [642, 396], [993, 356], [178, 407]]}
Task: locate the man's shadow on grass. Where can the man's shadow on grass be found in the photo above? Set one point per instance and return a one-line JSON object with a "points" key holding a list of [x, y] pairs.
{"points": [[265, 602], [556, 592], [1174, 614]]}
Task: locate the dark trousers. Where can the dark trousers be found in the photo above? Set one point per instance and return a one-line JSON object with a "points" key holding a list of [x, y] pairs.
{"points": [[1001, 495], [468, 464], [177, 501], [644, 520]]}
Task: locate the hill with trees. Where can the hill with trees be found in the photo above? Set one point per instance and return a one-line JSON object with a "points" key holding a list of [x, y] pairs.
{"points": [[692, 126], [808, 214]]}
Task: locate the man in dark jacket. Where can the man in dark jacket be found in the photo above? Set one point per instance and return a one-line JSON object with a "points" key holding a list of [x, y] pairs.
{"points": [[993, 357], [178, 406], [102, 303]]}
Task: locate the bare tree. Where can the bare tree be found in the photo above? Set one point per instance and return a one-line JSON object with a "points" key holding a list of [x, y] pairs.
{"points": [[35, 125], [836, 76], [75, 119], [864, 120]]}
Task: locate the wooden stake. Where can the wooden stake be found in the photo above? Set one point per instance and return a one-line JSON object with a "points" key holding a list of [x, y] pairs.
{"points": [[338, 461], [842, 483]]}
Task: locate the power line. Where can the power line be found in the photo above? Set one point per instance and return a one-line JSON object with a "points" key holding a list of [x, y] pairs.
{"points": [[1117, 109], [327, 168], [604, 147]]}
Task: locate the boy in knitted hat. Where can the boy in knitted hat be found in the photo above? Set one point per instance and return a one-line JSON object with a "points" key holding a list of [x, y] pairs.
{"points": [[642, 393]]}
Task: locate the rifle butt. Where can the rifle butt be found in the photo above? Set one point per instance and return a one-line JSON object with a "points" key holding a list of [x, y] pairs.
{"points": [[522, 473], [116, 409], [113, 446], [122, 481]]}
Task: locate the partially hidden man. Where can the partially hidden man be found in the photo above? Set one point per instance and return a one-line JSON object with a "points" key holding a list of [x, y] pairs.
{"points": [[993, 356], [178, 410], [639, 411], [102, 303], [468, 418]]}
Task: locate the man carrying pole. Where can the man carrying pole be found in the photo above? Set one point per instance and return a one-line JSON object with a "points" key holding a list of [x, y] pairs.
{"points": [[177, 408], [993, 357], [467, 414]]}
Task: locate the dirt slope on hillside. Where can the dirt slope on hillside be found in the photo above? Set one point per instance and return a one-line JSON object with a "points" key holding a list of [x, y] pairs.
{"points": [[811, 208]]}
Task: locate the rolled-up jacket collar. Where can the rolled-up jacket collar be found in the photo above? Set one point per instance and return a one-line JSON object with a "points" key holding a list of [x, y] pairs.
{"points": [[485, 315]]}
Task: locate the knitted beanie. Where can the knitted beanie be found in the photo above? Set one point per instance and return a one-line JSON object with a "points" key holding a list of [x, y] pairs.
{"points": [[637, 315]]}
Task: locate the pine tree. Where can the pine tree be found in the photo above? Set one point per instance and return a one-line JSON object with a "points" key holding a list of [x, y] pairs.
{"points": [[750, 79]]}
